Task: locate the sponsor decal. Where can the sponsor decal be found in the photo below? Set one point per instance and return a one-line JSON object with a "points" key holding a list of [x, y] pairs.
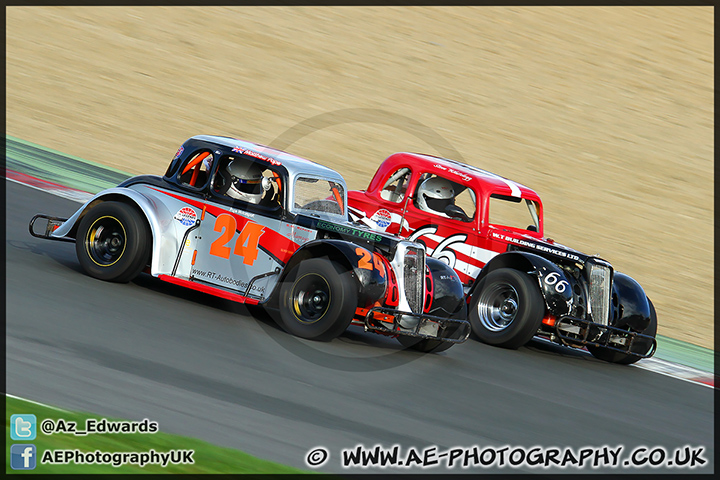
{"points": [[382, 218], [301, 235], [179, 152], [348, 231], [186, 216], [257, 155], [514, 188], [536, 246], [220, 278], [462, 175]]}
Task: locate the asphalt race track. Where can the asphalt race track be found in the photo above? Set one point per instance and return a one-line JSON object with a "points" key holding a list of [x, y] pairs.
{"points": [[208, 368]]}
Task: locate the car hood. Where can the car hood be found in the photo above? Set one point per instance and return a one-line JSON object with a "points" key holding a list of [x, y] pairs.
{"points": [[542, 246]]}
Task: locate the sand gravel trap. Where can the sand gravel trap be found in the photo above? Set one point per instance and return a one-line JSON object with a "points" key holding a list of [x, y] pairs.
{"points": [[606, 111]]}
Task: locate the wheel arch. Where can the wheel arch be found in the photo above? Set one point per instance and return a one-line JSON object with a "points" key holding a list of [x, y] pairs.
{"points": [[370, 285], [556, 302], [154, 213]]}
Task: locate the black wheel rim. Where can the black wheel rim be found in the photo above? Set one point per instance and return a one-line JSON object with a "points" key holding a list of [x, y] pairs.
{"points": [[498, 306], [106, 241], [310, 298]]}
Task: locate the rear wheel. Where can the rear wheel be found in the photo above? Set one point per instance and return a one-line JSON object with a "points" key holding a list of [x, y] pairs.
{"points": [[624, 358], [317, 300], [113, 242], [506, 309], [425, 345]]}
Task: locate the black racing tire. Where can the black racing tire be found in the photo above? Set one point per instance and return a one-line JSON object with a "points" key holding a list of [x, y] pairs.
{"points": [[113, 242], [425, 345], [318, 299], [506, 309], [623, 358]]}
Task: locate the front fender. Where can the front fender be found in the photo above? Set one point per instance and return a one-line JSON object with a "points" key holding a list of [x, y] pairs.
{"points": [[630, 305], [444, 297], [369, 273], [554, 283], [156, 214]]}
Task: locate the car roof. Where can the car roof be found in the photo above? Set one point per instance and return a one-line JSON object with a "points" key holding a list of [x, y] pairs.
{"points": [[465, 174], [293, 164]]}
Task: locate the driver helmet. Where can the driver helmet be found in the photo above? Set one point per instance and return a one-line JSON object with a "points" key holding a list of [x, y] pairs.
{"points": [[245, 181], [434, 194]]}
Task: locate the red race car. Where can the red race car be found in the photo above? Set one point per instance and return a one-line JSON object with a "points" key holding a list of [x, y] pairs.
{"points": [[518, 283]]}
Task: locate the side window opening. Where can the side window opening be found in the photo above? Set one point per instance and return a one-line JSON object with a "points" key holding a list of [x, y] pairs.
{"points": [[513, 212], [316, 196], [396, 185], [435, 193], [241, 179], [195, 171]]}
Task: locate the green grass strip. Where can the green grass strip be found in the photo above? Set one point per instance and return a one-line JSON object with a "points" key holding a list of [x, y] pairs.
{"points": [[53, 166], [207, 458], [684, 353]]}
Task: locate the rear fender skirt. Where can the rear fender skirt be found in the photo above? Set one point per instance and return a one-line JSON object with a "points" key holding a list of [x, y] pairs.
{"points": [[369, 272], [155, 213], [554, 284], [629, 305]]}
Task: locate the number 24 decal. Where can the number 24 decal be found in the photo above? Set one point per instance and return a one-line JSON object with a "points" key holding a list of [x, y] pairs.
{"points": [[368, 261], [247, 243]]}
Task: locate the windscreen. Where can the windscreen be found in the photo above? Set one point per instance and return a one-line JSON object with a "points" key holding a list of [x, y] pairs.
{"points": [[514, 212], [318, 196]]}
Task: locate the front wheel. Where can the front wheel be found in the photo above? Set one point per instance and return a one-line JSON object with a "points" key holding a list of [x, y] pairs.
{"points": [[624, 358], [317, 300], [506, 309], [113, 242]]}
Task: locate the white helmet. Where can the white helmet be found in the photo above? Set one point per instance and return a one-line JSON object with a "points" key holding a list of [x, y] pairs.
{"points": [[245, 181], [434, 194]]}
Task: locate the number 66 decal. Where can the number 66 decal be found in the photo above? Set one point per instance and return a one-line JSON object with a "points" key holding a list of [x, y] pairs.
{"points": [[553, 278]]}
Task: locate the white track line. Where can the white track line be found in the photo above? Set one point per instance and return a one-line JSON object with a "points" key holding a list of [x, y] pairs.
{"points": [[676, 370], [36, 403]]}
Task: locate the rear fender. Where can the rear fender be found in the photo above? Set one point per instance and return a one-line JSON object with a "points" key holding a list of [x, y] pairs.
{"points": [[164, 241], [554, 284], [369, 272]]}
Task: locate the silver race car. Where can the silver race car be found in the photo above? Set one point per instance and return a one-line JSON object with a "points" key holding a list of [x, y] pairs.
{"points": [[256, 225]]}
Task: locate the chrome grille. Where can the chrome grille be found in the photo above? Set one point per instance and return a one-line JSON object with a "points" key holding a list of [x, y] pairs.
{"points": [[414, 273], [599, 277]]}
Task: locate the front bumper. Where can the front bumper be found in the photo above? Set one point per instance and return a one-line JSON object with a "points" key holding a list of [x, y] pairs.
{"points": [[578, 332], [394, 322]]}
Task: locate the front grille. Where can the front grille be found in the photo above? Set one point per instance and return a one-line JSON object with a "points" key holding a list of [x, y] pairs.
{"points": [[414, 273], [599, 278]]}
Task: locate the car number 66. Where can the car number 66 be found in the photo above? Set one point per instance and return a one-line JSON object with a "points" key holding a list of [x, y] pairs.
{"points": [[553, 278]]}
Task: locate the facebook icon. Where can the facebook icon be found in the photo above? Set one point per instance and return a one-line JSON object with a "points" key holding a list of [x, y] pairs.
{"points": [[22, 456]]}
